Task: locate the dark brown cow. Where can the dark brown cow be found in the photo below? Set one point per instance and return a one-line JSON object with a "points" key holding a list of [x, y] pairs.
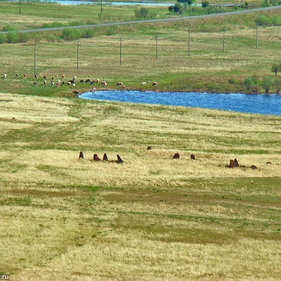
{"points": [[119, 159], [96, 158], [81, 155], [232, 163], [105, 157], [192, 157], [176, 156]]}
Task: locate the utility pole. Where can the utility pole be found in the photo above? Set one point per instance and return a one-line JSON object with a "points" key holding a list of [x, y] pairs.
{"points": [[156, 46], [77, 54], [120, 53], [257, 31], [188, 51], [35, 58], [223, 39]]}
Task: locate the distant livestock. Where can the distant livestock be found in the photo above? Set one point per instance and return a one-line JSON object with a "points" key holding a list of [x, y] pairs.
{"points": [[176, 156], [94, 81], [121, 84], [119, 159], [232, 163], [96, 158]]}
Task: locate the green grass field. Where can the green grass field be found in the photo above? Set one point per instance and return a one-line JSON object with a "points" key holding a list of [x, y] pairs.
{"points": [[152, 217], [177, 55]]}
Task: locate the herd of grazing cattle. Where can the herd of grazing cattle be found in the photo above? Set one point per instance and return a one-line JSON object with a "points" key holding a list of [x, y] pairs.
{"points": [[60, 80], [104, 158], [232, 163]]}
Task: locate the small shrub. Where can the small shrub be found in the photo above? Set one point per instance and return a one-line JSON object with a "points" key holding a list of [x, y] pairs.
{"points": [[144, 13], [3, 38], [263, 20], [178, 8], [267, 83], [277, 85], [252, 84], [71, 34], [205, 4], [88, 33], [53, 24], [275, 68], [13, 37], [9, 28]]}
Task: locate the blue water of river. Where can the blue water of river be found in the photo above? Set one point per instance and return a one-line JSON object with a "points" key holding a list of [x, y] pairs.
{"points": [[247, 103]]}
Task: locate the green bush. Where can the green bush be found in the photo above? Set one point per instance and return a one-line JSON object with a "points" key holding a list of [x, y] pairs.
{"points": [[3, 38], [267, 83], [252, 84], [71, 34], [178, 8], [88, 33], [263, 20], [53, 24], [144, 13], [205, 4], [13, 37], [277, 84], [9, 28]]}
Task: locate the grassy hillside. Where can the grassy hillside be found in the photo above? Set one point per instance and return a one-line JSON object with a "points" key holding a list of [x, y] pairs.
{"points": [[150, 218]]}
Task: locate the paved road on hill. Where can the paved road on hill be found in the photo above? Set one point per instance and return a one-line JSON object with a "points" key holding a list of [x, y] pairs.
{"points": [[150, 21]]}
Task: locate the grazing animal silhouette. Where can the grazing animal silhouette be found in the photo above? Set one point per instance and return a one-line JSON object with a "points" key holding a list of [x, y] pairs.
{"points": [[105, 157], [176, 156], [232, 163], [96, 158], [119, 159]]}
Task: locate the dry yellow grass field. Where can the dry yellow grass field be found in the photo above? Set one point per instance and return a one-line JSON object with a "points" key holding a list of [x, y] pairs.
{"points": [[150, 218]]}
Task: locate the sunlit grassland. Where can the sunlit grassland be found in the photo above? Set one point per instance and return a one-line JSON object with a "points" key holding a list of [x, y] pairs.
{"points": [[173, 59], [150, 218]]}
